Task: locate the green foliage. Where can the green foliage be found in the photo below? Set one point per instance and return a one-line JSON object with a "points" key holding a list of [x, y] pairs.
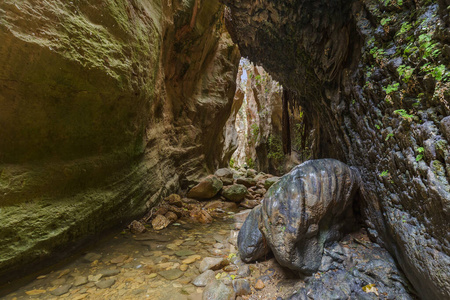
{"points": [[377, 126], [420, 155], [403, 114], [385, 21], [231, 163], [275, 148], [391, 88], [377, 52], [388, 136], [384, 173], [405, 72], [250, 163], [406, 26]]}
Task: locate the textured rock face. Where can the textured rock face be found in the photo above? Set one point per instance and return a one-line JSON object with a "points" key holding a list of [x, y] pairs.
{"points": [[105, 106], [371, 76], [308, 208]]}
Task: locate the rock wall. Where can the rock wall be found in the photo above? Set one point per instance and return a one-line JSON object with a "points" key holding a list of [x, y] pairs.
{"points": [[372, 77], [258, 122], [105, 107]]}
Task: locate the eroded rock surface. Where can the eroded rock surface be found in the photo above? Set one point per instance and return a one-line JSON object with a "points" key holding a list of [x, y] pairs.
{"points": [[370, 76]]}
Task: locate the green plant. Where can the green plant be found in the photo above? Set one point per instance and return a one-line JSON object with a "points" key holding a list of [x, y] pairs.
{"points": [[403, 114], [377, 126], [231, 163], [250, 163], [420, 155], [391, 88], [405, 28], [385, 21], [384, 173], [255, 132], [405, 71], [275, 148], [388, 136]]}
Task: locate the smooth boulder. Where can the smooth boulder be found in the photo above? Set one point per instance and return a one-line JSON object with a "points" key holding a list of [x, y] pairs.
{"points": [[206, 189], [235, 192]]}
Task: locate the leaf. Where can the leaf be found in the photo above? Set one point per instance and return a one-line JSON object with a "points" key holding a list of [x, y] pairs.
{"points": [[370, 288]]}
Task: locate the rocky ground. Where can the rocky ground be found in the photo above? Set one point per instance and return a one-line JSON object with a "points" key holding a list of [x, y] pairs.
{"points": [[186, 249]]}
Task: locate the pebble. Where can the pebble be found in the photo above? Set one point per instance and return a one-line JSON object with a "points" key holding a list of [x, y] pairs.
{"points": [[91, 257], [171, 274], [61, 290], [58, 282], [211, 263], [204, 278], [241, 287], [80, 280], [184, 267], [216, 290], [244, 271], [94, 278], [107, 273], [35, 292], [106, 283], [184, 252], [119, 259], [259, 285], [191, 259]]}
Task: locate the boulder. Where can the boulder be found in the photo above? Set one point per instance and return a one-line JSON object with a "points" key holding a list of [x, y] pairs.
{"points": [[160, 222], [270, 181], [224, 173], [206, 189], [235, 192], [248, 182], [251, 243]]}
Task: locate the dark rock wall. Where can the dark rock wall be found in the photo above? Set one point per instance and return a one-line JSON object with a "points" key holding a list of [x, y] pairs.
{"points": [[105, 107], [372, 78]]}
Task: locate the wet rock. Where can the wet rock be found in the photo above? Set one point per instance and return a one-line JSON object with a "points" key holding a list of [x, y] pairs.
{"points": [[206, 189], [201, 216], [108, 273], [91, 257], [106, 283], [251, 173], [241, 287], [137, 227], [216, 290], [80, 280], [307, 208], [259, 285], [160, 222], [211, 263], [248, 182], [204, 278], [171, 274], [184, 252], [235, 192], [61, 290], [270, 181], [119, 259], [244, 271], [174, 200], [249, 203], [191, 259], [94, 278], [227, 181], [184, 267], [250, 240], [224, 173], [171, 216]]}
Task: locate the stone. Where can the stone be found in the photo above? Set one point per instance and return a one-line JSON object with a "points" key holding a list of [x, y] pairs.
{"points": [[270, 181], [174, 200], [204, 278], [216, 290], [243, 271], [211, 263], [251, 173], [80, 280], [107, 273], [251, 243], [241, 287], [191, 259], [160, 222], [105, 283], [61, 290], [184, 252], [137, 227], [35, 292], [227, 181], [259, 285], [224, 173], [94, 278], [248, 182], [171, 216], [171, 274], [183, 267], [119, 259], [206, 189], [201, 216], [91, 257], [249, 203], [235, 192]]}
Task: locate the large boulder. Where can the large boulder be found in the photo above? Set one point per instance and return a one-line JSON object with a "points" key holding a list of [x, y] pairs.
{"points": [[235, 192], [206, 189], [306, 209]]}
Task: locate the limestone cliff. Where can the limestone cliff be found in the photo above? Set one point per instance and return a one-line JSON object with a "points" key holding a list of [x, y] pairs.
{"points": [[373, 79], [105, 106]]}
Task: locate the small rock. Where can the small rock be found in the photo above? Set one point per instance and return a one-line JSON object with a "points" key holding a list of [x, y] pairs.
{"points": [[216, 290], [206, 189], [184, 252], [249, 203], [191, 259], [235, 192], [219, 245], [137, 227], [80, 280], [204, 278], [58, 282], [160, 222], [171, 216], [107, 273], [270, 181], [230, 268], [61, 290], [259, 285], [37, 292], [201, 216], [95, 278], [211, 263], [244, 271], [241, 287], [175, 200], [248, 182], [224, 173], [183, 267], [171, 274], [91, 257], [119, 259], [106, 283], [63, 273]]}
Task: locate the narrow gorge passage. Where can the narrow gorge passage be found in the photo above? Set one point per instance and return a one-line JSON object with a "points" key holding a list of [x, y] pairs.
{"points": [[225, 149]]}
